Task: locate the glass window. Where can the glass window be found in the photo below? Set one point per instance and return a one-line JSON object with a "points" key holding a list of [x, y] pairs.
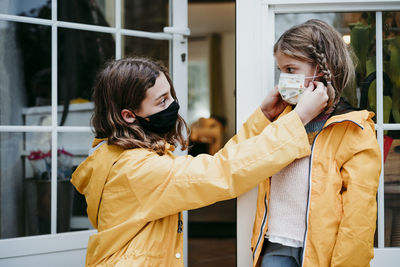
{"points": [[392, 189], [144, 15], [73, 149], [28, 8], [391, 114], [155, 49], [97, 12], [25, 165], [25, 73], [78, 63]]}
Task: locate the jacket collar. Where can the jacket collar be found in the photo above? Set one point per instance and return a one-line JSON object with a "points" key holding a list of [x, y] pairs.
{"points": [[343, 112]]}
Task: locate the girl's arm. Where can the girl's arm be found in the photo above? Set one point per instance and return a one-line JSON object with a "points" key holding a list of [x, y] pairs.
{"points": [[360, 174], [165, 185], [254, 125]]}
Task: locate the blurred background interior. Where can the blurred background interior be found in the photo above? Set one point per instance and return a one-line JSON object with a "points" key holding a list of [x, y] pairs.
{"points": [[25, 81]]}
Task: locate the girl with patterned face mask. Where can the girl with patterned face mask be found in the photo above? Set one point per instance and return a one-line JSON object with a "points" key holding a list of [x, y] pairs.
{"points": [[136, 187], [321, 209], [292, 80]]}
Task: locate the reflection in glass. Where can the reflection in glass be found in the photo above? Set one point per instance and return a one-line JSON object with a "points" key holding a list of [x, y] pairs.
{"points": [[75, 147], [391, 114], [143, 47], [78, 63], [25, 170], [391, 67], [97, 12], [27, 8], [144, 15], [358, 31], [392, 190], [25, 73]]}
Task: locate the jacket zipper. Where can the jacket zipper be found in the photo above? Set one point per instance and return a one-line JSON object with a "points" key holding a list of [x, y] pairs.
{"points": [[309, 183], [262, 226], [180, 223]]}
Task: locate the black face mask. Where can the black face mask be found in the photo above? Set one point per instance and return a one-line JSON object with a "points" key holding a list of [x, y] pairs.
{"points": [[163, 121]]}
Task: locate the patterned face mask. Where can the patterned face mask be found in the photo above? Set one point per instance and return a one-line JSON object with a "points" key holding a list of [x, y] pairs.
{"points": [[291, 86]]}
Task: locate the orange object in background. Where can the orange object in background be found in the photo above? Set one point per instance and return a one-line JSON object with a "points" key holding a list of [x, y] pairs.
{"points": [[210, 133]]}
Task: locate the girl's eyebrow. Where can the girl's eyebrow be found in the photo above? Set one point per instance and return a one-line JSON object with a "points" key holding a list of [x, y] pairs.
{"points": [[161, 96], [290, 65]]}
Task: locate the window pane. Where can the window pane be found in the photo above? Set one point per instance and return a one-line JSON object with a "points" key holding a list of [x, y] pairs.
{"points": [[391, 114], [28, 8], [143, 47], [391, 67], [98, 12], [392, 188], [144, 15], [358, 31], [25, 200], [25, 72], [74, 150], [80, 55]]}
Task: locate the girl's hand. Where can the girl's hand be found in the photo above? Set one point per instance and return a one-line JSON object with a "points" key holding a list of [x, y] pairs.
{"points": [[312, 102], [273, 105]]}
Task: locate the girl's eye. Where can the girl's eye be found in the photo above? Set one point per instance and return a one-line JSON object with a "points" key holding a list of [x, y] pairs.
{"points": [[163, 101], [290, 70]]}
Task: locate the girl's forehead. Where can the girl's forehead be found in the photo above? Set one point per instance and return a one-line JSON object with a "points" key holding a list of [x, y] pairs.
{"points": [[160, 87], [285, 59]]}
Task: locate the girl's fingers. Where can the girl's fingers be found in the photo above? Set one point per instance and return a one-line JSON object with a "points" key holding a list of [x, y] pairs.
{"points": [[310, 87]]}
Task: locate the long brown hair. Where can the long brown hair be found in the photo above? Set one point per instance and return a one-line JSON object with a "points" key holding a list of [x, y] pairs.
{"points": [[122, 84], [318, 43]]}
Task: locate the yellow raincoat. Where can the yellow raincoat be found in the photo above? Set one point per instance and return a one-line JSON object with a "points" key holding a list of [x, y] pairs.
{"points": [[135, 196], [341, 208]]}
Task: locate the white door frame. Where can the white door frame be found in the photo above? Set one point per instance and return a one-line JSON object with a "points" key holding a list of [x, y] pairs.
{"points": [[69, 249], [255, 34]]}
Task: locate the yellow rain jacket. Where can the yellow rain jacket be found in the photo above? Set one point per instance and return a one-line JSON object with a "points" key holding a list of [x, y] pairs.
{"points": [[135, 196], [343, 182]]}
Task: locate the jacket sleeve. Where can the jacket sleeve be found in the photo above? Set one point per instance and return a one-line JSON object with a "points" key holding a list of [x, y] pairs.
{"points": [[360, 174], [254, 125], [165, 185]]}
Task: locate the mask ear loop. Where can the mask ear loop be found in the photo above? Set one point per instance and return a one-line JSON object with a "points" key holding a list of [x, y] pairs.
{"points": [[315, 72], [313, 77]]}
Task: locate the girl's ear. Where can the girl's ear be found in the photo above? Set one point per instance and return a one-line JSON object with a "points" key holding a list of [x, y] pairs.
{"points": [[128, 116]]}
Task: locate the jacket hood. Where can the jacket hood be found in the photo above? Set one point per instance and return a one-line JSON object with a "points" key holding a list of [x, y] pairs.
{"points": [[91, 175]]}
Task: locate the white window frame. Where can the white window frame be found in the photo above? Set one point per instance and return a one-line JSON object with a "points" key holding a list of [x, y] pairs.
{"points": [[255, 38], [22, 250]]}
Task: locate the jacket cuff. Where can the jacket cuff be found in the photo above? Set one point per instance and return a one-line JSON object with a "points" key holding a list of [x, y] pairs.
{"points": [[257, 121], [295, 126]]}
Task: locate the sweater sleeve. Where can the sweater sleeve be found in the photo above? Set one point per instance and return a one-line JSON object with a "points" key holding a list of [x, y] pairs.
{"points": [[165, 185]]}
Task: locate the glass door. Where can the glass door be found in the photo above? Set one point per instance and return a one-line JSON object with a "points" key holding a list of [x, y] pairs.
{"points": [[50, 51], [372, 29]]}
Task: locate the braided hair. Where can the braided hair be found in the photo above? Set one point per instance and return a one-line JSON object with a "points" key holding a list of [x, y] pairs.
{"points": [[318, 43]]}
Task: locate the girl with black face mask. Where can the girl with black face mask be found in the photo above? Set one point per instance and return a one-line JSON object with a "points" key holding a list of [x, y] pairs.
{"points": [[134, 185]]}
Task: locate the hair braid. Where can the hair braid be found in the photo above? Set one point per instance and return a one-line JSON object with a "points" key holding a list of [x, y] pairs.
{"points": [[320, 59]]}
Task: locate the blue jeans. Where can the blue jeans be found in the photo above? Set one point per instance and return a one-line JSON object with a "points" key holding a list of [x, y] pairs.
{"points": [[277, 255]]}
